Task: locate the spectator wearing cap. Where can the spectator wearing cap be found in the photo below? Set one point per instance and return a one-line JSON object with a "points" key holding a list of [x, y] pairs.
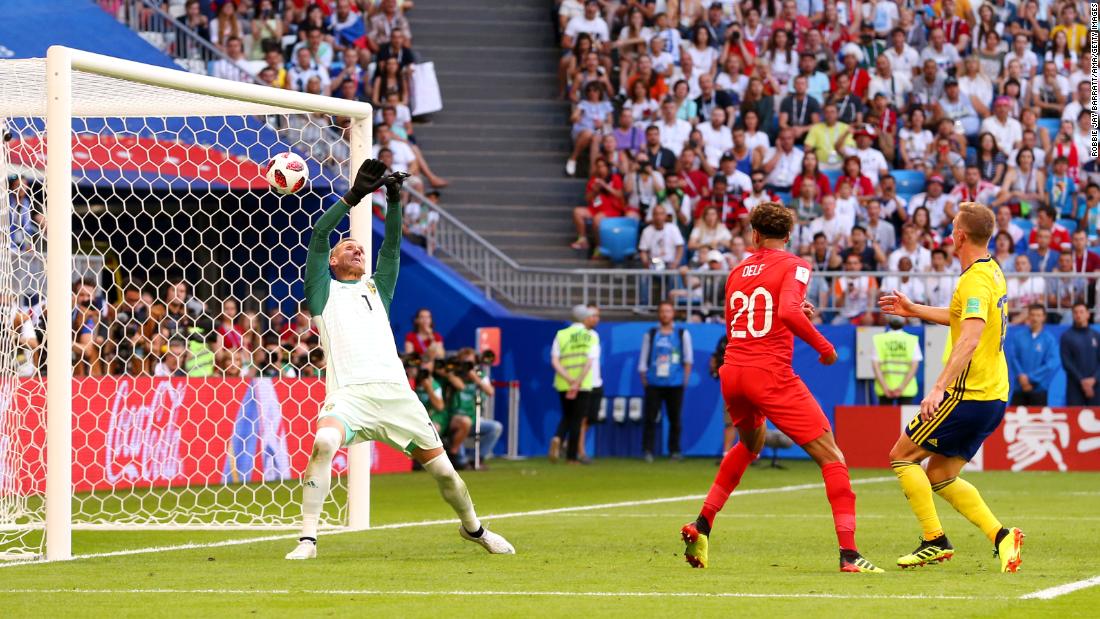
{"points": [[895, 84], [941, 208], [799, 111], [739, 182], [1006, 130], [872, 162], [1043, 258], [858, 77], [903, 58], [1046, 219], [817, 83], [717, 137], [974, 188], [783, 162], [958, 109], [928, 86], [710, 98]]}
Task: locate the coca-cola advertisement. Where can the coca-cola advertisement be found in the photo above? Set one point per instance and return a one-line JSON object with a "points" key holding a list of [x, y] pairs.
{"points": [[1030, 438], [141, 432]]}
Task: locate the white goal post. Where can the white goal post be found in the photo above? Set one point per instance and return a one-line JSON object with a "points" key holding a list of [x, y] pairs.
{"points": [[70, 85]]}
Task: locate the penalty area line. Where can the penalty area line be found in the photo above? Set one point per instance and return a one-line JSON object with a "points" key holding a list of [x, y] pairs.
{"points": [[1060, 590], [422, 523], [467, 593]]}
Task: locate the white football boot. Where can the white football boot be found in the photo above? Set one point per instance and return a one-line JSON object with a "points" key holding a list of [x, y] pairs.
{"points": [[305, 550], [493, 543]]}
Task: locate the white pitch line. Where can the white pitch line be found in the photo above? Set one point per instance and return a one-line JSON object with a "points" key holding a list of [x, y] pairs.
{"points": [[404, 525], [1060, 590], [467, 593]]}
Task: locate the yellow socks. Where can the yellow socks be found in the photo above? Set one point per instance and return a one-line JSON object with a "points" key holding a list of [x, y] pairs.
{"points": [[966, 500], [918, 490]]}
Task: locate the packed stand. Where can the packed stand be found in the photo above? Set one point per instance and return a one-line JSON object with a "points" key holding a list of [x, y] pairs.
{"points": [[871, 121], [358, 50]]}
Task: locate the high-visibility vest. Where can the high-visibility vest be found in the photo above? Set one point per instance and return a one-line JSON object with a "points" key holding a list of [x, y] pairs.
{"points": [[201, 363], [895, 355], [574, 344]]}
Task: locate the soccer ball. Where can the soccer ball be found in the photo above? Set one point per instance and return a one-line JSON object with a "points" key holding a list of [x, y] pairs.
{"points": [[287, 173]]}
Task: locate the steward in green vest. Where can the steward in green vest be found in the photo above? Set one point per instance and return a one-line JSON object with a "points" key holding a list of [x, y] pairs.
{"points": [[896, 359], [574, 343], [200, 342]]}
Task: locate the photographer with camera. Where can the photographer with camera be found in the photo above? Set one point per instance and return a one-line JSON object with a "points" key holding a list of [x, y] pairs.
{"points": [[421, 373], [466, 390]]}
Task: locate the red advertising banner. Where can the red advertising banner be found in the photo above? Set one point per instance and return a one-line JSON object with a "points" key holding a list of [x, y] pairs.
{"points": [[141, 432], [1029, 439]]}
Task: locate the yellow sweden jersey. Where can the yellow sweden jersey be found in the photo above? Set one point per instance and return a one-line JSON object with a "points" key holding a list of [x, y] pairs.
{"points": [[982, 293]]}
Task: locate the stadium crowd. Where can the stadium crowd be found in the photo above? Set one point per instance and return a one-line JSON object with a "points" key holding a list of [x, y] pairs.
{"points": [[870, 120]]}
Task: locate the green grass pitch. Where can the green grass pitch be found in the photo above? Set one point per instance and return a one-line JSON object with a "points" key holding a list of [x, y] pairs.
{"points": [[773, 553]]}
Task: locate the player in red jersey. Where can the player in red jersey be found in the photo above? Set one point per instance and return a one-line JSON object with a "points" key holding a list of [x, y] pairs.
{"points": [[766, 307]]}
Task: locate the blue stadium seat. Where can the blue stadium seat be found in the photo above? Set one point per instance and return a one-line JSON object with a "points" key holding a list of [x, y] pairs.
{"points": [[1052, 125], [1025, 224], [832, 175], [618, 238], [907, 197], [1069, 224], [971, 154], [908, 181], [784, 197]]}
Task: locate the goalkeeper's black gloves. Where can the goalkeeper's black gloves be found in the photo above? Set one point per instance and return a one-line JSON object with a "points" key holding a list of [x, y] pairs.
{"points": [[367, 180], [393, 184]]}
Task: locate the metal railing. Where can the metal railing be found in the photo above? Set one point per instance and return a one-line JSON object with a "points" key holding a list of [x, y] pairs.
{"points": [[701, 293], [191, 51]]}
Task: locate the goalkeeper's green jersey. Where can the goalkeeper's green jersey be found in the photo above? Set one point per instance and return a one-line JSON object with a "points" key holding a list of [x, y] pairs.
{"points": [[352, 317]]}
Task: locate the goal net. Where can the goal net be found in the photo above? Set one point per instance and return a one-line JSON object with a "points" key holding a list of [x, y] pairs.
{"points": [[184, 374]]}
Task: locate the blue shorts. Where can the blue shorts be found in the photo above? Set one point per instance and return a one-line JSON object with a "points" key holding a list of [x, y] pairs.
{"points": [[958, 428]]}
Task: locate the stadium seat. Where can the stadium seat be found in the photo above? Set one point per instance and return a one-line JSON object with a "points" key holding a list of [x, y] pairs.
{"points": [[784, 197], [1025, 224], [1052, 125], [971, 153], [618, 238], [908, 181], [832, 175], [1069, 224]]}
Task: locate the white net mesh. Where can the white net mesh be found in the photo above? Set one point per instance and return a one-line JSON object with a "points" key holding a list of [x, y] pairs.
{"points": [[196, 377]]}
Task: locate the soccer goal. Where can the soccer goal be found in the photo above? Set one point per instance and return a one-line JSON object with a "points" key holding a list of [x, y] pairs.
{"points": [[147, 254]]}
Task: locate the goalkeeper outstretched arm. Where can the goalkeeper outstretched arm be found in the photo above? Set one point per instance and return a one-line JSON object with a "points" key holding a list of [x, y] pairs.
{"points": [[369, 177]]}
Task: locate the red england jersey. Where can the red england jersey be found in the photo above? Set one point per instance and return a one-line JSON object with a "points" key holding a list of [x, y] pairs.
{"points": [[764, 296]]}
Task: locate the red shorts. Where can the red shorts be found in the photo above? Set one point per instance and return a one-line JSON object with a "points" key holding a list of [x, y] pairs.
{"points": [[754, 394]]}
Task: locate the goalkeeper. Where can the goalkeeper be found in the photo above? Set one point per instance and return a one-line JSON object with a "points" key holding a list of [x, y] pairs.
{"points": [[368, 396]]}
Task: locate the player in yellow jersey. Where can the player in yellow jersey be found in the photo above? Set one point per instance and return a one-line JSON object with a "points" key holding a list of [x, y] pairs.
{"points": [[967, 401]]}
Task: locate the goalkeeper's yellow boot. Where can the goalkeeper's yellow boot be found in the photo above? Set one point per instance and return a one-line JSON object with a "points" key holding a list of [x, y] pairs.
{"points": [[853, 562], [937, 550], [696, 544], [1009, 547]]}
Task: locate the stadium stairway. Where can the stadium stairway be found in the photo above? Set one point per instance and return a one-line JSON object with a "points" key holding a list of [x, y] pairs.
{"points": [[502, 137]]}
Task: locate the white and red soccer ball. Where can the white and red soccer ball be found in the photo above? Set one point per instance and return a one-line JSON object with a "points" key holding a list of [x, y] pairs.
{"points": [[287, 173]]}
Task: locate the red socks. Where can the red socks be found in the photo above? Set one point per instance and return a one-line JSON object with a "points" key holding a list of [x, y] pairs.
{"points": [[729, 475], [838, 489]]}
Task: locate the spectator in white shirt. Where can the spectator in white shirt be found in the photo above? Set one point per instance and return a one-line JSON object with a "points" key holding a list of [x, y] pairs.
{"points": [[661, 245], [717, 137], [872, 162], [1005, 224], [891, 82], [941, 209], [234, 67], [911, 248], [1024, 289], [940, 287], [879, 231], [830, 224], [319, 48], [1021, 52], [945, 55], [783, 162], [674, 131], [1007, 131], [908, 285], [903, 58], [305, 68], [590, 23], [854, 294]]}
